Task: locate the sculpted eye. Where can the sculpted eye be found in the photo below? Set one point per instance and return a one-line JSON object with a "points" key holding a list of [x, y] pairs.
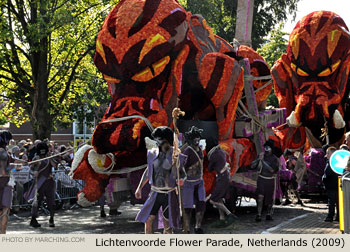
{"points": [[111, 79], [143, 76], [147, 74], [329, 70], [298, 70], [160, 65]]}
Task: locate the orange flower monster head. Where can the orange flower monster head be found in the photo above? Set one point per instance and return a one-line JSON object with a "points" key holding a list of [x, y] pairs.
{"points": [[312, 78], [139, 52]]}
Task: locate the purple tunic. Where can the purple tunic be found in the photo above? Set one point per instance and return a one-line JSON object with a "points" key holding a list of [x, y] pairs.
{"points": [[173, 202], [46, 172], [217, 161], [5, 189]]}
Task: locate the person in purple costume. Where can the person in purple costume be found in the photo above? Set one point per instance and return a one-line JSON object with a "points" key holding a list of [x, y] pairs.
{"points": [[268, 166], [193, 191], [44, 185], [217, 162], [161, 175], [5, 188]]}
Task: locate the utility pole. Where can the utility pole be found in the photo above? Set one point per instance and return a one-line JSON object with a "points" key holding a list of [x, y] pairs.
{"points": [[244, 22]]}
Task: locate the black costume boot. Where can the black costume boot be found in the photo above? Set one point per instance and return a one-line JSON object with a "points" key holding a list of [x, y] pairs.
{"points": [[103, 214], [114, 212], [260, 203], [269, 213], [34, 223], [187, 219], [199, 218], [51, 222], [287, 202], [230, 219]]}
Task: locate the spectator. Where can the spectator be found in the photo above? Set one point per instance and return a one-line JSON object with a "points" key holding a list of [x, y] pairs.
{"points": [[15, 152], [23, 154], [344, 147], [11, 144], [21, 143], [32, 149], [330, 180], [347, 139], [347, 168]]}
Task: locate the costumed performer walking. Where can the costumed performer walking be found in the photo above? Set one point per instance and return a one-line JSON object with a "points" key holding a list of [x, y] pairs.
{"points": [[161, 175]]}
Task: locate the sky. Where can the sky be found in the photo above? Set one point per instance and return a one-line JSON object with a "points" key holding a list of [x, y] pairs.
{"points": [[340, 7]]}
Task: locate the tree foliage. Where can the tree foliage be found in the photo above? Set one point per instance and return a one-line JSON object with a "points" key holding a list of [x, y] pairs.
{"points": [[47, 74], [221, 16], [45, 60], [275, 46]]}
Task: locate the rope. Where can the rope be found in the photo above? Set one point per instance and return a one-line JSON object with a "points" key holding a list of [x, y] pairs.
{"points": [[212, 150], [200, 162], [254, 118], [35, 200], [162, 189], [123, 170], [262, 87], [148, 123], [251, 77], [49, 157]]}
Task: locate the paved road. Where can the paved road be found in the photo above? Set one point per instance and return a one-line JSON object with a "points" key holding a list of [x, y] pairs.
{"points": [[287, 219]]}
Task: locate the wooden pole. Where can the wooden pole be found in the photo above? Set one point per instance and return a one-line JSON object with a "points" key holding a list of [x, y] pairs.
{"points": [[176, 113]]}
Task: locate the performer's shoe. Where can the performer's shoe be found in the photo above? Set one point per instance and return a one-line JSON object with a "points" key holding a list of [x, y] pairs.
{"points": [[269, 217], [300, 203], [103, 214], [287, 202], [51, 222], [258, 218], [230, 219], [198, 231], [328, 219], [34, 223], [114, 212], [219, 224]]}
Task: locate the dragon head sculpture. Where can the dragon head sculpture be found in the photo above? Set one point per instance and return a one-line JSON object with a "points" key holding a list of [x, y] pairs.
{"points": [[311, 79], [137, 50]]}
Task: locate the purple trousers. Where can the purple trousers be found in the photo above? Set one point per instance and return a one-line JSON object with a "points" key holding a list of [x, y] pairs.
{"points": [[174, 211], [266, 187], [192, 193]]}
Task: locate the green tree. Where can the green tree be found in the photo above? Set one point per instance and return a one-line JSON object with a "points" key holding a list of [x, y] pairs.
{"points": [[275, 46], [45, 65], [221, 16]]}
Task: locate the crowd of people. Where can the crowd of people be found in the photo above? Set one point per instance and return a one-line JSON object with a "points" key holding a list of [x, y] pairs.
{"points": [[163, 202], [26, 150], [329, 177]]}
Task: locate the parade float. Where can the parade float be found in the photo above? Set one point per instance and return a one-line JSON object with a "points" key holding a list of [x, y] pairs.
{"points": [[155, 57]]}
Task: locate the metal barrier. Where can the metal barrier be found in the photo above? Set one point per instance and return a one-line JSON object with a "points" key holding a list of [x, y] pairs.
{"points": [[66, 188], [346, 202]]}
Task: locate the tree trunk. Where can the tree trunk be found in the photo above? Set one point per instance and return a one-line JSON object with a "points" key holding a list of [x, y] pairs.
{"points": [[41, 119]]}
